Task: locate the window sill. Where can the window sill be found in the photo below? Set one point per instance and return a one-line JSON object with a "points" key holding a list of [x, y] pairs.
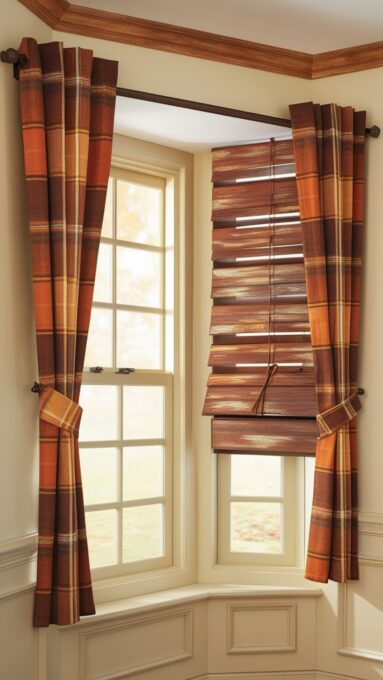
{"points": [[112, 611]]}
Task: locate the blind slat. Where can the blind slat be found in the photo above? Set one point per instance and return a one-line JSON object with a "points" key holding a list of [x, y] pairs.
{"points": [[255, 198], [239, 242], [284, 377], [282, 401], [252, 160], [242, 318], [270, 435], [231, 355]]}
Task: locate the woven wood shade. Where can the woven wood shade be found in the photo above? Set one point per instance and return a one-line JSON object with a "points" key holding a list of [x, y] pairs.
{"points": [[259, 314]]}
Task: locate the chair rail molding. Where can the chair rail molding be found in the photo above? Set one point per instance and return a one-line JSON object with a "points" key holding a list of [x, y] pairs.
{"points": [[17, 551], [61, 15], [17, 563]]}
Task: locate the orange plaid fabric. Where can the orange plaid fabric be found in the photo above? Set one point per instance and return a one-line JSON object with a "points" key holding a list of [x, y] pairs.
{"points": [[59, 410], [329, 143], [334, 418], [67, 113]]}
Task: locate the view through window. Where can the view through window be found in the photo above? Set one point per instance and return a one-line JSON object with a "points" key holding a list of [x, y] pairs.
{"points": [[126, 430]]}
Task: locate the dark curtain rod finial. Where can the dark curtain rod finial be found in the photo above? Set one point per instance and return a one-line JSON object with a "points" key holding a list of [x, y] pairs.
{"points": [[11, 56], [374, 131]]}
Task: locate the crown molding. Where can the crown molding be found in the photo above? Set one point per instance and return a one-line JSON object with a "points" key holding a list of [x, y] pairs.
{"points": [[349, 60], [166, 37], [50, 11], [61, 15]]}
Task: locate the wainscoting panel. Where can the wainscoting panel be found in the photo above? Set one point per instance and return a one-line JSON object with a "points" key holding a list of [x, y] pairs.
{"points": [[166, 644], [260, 628], [262, 635], [141, 644]]}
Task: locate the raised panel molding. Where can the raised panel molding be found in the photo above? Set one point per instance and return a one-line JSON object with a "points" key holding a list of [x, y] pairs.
{"points": [[262, 625], [177, 643]]}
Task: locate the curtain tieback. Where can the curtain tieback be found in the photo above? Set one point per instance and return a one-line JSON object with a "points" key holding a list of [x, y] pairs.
{"points": [[335, 417], [59, 410]]}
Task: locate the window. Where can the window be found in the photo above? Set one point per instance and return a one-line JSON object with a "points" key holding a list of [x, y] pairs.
{"points": [[127, 431], [261, 392], [256, 510]]}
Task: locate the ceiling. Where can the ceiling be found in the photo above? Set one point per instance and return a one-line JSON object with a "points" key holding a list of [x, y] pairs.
{"points": [[187, 129], [306, 25]]}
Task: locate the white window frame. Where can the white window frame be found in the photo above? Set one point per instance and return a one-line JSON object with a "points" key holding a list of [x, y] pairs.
{"points": [[176, 169], [287, 500], [139, 378]]}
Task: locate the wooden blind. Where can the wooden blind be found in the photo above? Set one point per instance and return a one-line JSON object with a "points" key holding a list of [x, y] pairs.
{"points": [[261, 392]]}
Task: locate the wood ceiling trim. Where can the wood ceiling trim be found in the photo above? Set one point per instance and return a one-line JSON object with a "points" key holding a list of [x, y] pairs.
{"points": [[349, 60], [61, 15], [49, 11]]}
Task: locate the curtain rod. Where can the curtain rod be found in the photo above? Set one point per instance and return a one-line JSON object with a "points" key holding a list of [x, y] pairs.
{"points": [[12, 56]]}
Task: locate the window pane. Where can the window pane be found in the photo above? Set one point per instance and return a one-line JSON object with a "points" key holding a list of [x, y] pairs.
{"points": [[101, 529], [255, 475], [107, 224], [142, 533], [143, 472], [138, 277], [139, 340], [99, 418], [99, 470], [103, 283], [143, 412], [99, 346], [139, 213], [256, 527]]}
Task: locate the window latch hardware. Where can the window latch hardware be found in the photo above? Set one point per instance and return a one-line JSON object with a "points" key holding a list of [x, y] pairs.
{"points": [[96, 369], [126, 371]]}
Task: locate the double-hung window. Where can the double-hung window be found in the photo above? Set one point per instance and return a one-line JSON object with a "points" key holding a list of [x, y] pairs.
{"points": [[126, 431]]}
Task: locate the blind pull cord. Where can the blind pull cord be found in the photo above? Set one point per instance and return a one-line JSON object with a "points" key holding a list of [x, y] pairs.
{"points": [[271, 370], [272, 366]]}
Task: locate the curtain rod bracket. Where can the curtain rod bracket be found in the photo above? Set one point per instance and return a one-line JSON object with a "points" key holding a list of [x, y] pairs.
{"points": [[12, 56], [36, 387]]}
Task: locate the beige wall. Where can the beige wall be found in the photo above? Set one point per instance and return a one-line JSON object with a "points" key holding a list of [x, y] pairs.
{"points": [[229, 86]]}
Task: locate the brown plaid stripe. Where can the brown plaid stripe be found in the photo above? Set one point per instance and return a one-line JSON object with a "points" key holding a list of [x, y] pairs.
{"points": [[329, 154], [67, 110]]}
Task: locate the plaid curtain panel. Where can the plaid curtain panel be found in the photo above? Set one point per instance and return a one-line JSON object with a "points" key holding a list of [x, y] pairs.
{"points": [[67, 113], [329, 145]]}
